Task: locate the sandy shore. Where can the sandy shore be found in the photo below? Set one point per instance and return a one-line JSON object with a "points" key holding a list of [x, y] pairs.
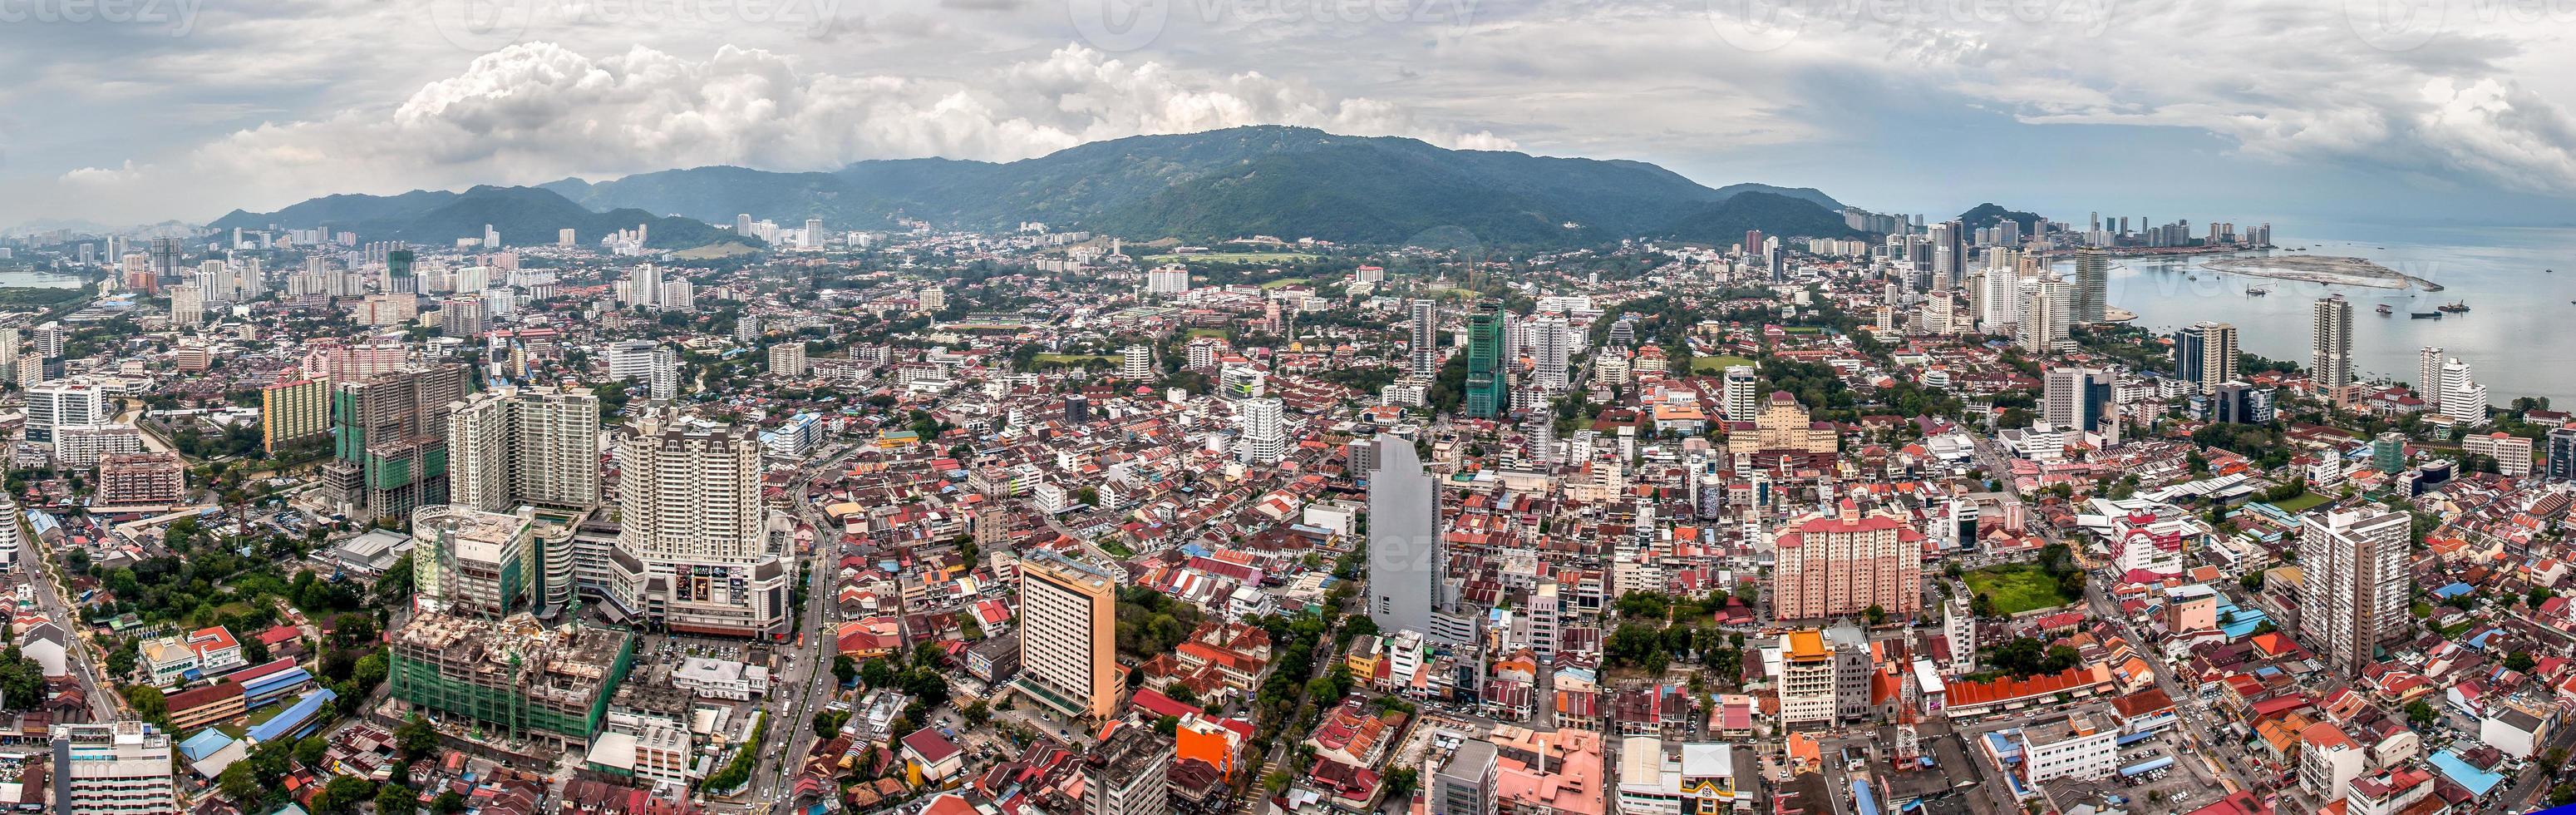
{"points": [[2340, 271]]}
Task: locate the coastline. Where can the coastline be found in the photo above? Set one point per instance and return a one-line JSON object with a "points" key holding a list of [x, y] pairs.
{"points": [[2327, 269]]}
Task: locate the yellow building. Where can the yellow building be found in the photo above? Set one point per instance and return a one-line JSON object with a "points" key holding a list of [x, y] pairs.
{"points": [[1069, 636], [294, 410], [1782, 425]]}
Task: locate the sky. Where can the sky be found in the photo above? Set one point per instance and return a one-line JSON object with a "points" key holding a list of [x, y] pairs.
{"points": [[118, 112]]}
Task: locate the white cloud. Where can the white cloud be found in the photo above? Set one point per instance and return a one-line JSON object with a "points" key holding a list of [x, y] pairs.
{"points": [[538, 111]]}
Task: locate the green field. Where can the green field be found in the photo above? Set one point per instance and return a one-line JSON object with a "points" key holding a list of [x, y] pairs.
{"points": [[1229, 257], [1071, 359], [2016, 587], [1282, 283], [1710, 365], [1218, 333], [2303, 503]]}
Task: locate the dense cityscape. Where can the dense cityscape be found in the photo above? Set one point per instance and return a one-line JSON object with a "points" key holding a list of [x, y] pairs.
{"points": [[941, 521]]}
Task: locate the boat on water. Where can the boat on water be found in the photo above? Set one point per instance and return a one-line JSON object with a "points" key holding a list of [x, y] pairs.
{"points": [[2257, 291], [2425, 315], [2384, 310], [2453, 307]]}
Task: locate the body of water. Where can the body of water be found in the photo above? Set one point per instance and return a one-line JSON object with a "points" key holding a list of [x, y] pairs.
{"points": [[30, 279], [2520, 334]]}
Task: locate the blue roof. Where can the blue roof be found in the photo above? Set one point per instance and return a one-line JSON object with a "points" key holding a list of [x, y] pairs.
{"points": [[2480, 641], [295, 720], [2453, 590], [286, 678], [2475, 780], [1862, 801], [204, 744]]}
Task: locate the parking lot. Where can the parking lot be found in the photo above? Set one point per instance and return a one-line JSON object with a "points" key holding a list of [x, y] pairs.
{"points": [[2181, 786]]}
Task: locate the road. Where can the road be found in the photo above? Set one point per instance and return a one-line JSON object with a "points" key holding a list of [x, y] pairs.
{"points": [[38, 565], [809, 680]]}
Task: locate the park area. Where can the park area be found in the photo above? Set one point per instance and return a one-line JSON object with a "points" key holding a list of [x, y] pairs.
{"points": [[2014, 588], [1716, 364]]}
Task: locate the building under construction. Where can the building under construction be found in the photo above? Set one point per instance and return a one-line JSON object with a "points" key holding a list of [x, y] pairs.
{"points": [[515, 675]]}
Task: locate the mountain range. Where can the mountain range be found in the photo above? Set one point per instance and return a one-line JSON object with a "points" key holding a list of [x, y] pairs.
{"points": [[1287, 182]]}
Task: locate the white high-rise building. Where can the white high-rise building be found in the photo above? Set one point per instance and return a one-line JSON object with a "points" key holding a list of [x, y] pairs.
{"points": [[62, 402], [1743, 393], [2045, 305], [631, 359], [694, 552], [787, 359], [1264, 428], [2462, 397], [1068, 636], [1552, 353], [664, 374], [1168, 279], [2428, 377], [1424, 342], [1136, 362], [2000, 299], [510, 446], [187, 306], [2330, 343], [2354, 593], [112, 768]]}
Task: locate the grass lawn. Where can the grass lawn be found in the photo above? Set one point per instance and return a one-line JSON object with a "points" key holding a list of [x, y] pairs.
{"points": [[1071, 359], [1218, 333], [2017, 587], [1229, 257], [2303, 503], [1802, 329], [1710, 365], [1284, 282], [262, 715]]}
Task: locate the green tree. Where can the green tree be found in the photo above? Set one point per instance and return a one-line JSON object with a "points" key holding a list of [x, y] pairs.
{"points": [[392, 799], [148, 703], [241, 785], [2419, 713]]}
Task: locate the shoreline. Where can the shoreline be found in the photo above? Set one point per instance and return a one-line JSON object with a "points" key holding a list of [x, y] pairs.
{"points": [[2325, 269]]}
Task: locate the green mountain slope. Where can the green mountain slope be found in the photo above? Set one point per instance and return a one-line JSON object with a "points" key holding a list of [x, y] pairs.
{"points": [[1725, 222]]}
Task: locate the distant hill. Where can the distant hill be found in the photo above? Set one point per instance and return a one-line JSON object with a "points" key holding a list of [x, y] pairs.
{"points": [[1725, 222], [1988, 214], [524, 216], [1282, 181], [1287, 182]]}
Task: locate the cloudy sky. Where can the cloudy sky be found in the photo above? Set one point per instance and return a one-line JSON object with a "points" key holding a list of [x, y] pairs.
{"points": [[2319, 111]]}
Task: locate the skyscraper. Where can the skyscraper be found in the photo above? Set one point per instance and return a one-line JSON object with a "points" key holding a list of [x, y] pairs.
{"points": [[512, 446], [2354, 592], [1136, 363], [2079, 399], [662, 372], [1068, 636], [1423, 345], [1552, 347], [1743, 393], [2561, 464], [2045, 302], [1406, 580], [1842, 564], [2205, 355], [694, 553], [2388, 452], [389, 440], [2092, 286], [2462, 397], [1263, 432], [2428, 377], [2331, 344], [1488, 389]]}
